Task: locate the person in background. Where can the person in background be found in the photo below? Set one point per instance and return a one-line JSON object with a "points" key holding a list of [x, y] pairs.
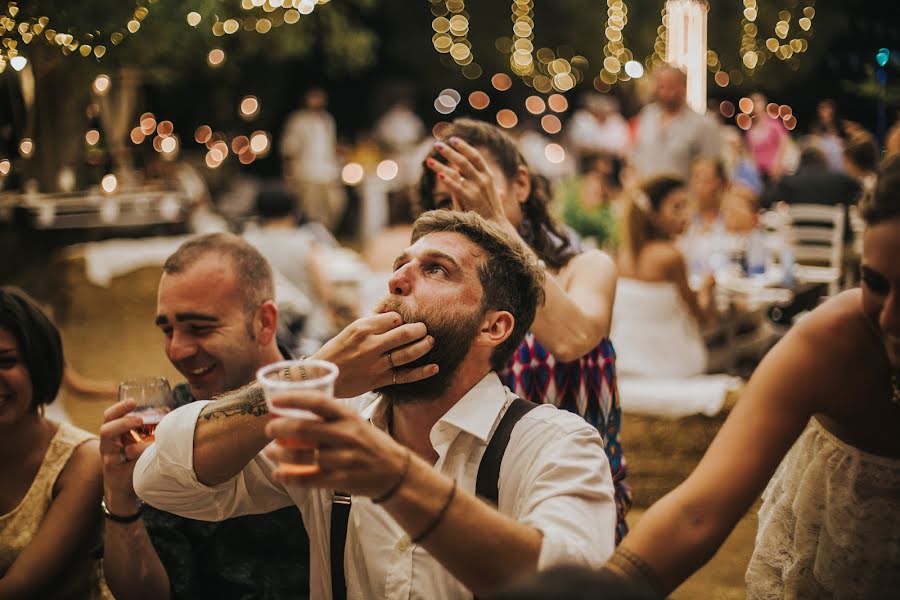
{"points": [[309, 152], [738, 162], [670, 135], [598, 127], [767, 139], [300, 253], [822, 408], [658, 314], [566, 359], [815, 182], [827, 133], [719, 209], [49, 523], [587, 200]]}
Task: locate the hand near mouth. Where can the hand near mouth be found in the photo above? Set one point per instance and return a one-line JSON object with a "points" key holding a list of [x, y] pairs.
{"points": [[371, 352]]}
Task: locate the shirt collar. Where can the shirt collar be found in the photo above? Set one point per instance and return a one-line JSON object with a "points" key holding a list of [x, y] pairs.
{"points": [[475, 413]]}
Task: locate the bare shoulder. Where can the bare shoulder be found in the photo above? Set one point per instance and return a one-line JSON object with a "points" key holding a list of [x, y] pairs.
{"points": [[594, 264], [591, 260], [84, 466], [837, 328]]}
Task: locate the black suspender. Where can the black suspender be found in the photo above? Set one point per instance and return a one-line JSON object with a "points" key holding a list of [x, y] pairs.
{"points": [[487, 482], [486, 486]]}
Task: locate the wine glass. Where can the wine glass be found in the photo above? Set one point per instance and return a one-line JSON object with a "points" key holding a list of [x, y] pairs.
{"points": [[154, 401]]}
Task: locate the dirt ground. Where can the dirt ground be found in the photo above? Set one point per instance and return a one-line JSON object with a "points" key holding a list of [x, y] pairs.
{"points": [[109, 334]]}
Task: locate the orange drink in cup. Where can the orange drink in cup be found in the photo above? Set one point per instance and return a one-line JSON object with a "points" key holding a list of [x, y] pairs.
{"points": [[315, 375]]}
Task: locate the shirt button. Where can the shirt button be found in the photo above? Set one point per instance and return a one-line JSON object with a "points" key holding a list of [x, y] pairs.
{"points": [[404, 544]]}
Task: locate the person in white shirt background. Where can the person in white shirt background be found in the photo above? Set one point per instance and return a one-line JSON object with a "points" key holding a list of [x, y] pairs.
{"points": [[599, 127], [309, 152], [477, 293]]}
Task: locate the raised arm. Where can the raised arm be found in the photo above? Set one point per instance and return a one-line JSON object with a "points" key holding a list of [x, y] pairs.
{"points": [[577, 311], [684, 529], [576, 317], [55, 557], [230, 430]]}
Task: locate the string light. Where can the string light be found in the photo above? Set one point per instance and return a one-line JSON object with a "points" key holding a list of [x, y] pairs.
{"points": [[615, 53], [561, 70], [451, 30], [18, 27]]}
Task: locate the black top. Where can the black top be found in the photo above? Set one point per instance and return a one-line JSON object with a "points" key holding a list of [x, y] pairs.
{"points": [[252, 557]]}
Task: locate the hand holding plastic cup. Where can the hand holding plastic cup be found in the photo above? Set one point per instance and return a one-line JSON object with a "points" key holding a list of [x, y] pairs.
{"points": [[154, 400], [318, 376]]}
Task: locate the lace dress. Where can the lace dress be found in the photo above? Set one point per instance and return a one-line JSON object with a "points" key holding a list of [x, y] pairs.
{"points": [[829, 526]]}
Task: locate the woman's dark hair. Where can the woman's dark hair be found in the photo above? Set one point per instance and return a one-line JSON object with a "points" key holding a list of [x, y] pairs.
{"points": [[40, 346], [883, 203], [640, 212], [546, 237]]}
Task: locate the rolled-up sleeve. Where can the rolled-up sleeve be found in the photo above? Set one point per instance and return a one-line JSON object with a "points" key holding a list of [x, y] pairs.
{"points": [[564, 489], [164, 476]]}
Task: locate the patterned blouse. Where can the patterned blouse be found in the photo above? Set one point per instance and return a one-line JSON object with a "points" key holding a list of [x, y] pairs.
{"points": [[586, 387]]}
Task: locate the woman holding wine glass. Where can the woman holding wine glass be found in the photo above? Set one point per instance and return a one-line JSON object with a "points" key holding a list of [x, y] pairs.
{"points": [[50, 471]]}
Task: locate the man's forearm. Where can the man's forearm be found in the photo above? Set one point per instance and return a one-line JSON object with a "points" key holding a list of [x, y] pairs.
{"points": [[131, 566], [477, 544], [230, 431]]}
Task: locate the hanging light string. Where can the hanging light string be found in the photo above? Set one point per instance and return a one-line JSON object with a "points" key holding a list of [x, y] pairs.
{"points": [[18, 29], [559, 70], [451, 30]]}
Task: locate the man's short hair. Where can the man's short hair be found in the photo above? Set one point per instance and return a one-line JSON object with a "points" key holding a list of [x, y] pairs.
{"points": [[255, 280], [511, 279]]}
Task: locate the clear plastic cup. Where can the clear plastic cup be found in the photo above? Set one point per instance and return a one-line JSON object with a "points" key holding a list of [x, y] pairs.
{"points": [[320, 377]]}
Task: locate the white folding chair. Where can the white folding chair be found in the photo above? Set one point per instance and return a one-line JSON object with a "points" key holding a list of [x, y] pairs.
{"points": [[816, 235]]}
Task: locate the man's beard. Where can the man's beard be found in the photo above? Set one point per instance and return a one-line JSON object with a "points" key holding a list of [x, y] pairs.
{"points": [[453, 336]]}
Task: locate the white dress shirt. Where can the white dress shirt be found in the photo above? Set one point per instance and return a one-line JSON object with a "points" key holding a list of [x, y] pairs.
{"points": [[554, 477]]}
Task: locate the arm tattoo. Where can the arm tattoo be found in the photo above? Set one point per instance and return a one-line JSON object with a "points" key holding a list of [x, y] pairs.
{"points": [[248, 400]]}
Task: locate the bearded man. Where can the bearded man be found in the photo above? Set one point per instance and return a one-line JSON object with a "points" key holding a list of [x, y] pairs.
{"points": [[410, 453]]}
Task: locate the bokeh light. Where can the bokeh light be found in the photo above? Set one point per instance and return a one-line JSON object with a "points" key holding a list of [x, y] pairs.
{"points": [[746, 105], [558, 103], [744, 120], [92, 137], [507, 118], [479, 100], [501, 82], [555, 153], [387, 170], [215, 58], [727, 109], [101, 84], [535, 105], [109, 183], [249, 107], [352, 173], [551, 124]]}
